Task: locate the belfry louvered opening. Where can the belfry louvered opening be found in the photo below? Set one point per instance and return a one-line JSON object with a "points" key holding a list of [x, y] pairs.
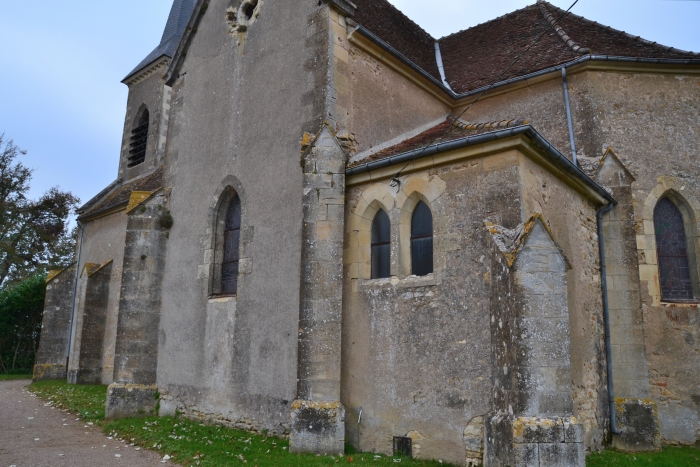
{"points": [[139, 140]]}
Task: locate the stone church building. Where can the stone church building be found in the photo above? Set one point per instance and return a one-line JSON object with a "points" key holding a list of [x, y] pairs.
{"points": [[330, 225]]}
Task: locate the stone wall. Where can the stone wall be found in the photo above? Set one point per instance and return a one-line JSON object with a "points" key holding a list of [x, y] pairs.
{"points": [[89, 362], [148, 93], [242, 102], [416, 351], [136, 351], [52, 358]]}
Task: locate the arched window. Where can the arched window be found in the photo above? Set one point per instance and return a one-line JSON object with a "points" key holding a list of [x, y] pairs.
{"points": [[232, 240], [139, 139], [381, 246], [672, 251], [422, 240]]}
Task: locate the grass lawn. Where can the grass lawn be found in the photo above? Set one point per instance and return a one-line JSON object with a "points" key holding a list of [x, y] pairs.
{"points": [[14, 377], [669, 457], [191, 443], [86, 401]]}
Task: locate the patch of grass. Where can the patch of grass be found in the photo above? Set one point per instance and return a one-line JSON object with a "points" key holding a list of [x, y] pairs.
{"points": [[191, 443], [14, 377], [86, 401], [669, 457]]}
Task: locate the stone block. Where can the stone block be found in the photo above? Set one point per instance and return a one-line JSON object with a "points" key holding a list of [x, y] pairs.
{"points": [[562, 455], [528, 430], [131, 400], [44, 372], [317, 427], [638, 421], [526, 455]]}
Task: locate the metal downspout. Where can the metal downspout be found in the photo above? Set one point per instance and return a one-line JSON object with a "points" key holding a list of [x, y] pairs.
{"points": [[441, 66], [567, 100], [75, 293], [606, 316]]}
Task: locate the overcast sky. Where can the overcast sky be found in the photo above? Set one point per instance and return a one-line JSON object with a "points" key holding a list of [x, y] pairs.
{"points": [[62, 100]]}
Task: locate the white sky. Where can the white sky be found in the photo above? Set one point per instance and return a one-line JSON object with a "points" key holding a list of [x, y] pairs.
{"points": [[62, 100]]}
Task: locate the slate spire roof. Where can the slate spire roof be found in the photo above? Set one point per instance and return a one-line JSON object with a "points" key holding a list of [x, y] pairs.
{"points": [[177, 22], [477, 56]]}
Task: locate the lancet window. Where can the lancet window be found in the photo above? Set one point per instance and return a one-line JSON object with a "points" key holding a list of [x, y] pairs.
{"points": [[381, 246], [422, 240]]}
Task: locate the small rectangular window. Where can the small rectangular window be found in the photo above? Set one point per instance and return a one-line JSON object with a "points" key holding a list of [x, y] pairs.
{"points": [[403, 446]]}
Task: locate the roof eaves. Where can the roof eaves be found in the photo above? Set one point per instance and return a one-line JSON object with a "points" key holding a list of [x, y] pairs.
{"points": [[561, 161]]}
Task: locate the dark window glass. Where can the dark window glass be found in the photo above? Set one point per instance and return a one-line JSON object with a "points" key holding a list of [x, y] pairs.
{"points": [[422, 240], [672, 252], [381, 246], [139, 139], [232, 240]]}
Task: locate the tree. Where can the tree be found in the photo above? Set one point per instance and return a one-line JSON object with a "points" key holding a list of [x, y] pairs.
{"points": [[21, 308], [34, 235]]}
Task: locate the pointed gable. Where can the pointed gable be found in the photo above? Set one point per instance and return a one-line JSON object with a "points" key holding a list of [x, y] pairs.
{"points": [[177, 21]]}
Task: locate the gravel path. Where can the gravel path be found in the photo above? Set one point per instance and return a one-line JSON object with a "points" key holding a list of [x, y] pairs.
{"points": [[34, 435]]}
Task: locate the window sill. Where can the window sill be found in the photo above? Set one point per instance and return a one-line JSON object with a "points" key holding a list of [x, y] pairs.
{"points": [[221, 298], [684, 304], [400, 283]]}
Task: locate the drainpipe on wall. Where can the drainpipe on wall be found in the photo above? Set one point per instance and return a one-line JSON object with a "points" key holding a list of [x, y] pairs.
{"points": [[606, 315], [75, 293], [565, 82]]}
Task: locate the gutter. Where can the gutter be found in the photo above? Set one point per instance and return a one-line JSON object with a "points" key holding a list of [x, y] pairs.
{"points": [[587, 58], [441, 66], [558, 158], [606, 316]]}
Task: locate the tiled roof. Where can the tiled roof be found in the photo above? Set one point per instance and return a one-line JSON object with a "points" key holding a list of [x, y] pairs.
{"points": [[477, 57], [449, 130], [177, 21], [122, 194], [388, 23]]}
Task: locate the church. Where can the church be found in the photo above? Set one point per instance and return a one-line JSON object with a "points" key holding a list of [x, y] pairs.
{"points": [[330, 225]]}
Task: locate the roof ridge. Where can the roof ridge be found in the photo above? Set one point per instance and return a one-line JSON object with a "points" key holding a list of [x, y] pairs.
{"points": [[560, 32], [499, 18], [622, 33], [480, 126]]}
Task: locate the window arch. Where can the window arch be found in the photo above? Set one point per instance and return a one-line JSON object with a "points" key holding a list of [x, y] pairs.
{"points": [[422, 240], [231, 247], [381, 246], [675, 275], [139, 140]]}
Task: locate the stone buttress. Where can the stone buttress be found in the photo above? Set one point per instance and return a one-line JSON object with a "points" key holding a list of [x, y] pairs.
{"points": [[86, 361], [532, 422], [636, 413], [318, 417], [134, 389], [51, 360]]}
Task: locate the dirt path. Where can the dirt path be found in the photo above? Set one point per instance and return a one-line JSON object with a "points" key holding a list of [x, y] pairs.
{"points": [[34, 435]]}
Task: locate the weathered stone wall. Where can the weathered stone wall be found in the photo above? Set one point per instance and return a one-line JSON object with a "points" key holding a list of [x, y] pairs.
{"points": [[382, 104], [136, 350], [318, 419], [94, 319], [102, 241], [532, 422], [416, 351], [240, 107], [572, 221], [648, 119], [152, 93], [51, 360]]}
